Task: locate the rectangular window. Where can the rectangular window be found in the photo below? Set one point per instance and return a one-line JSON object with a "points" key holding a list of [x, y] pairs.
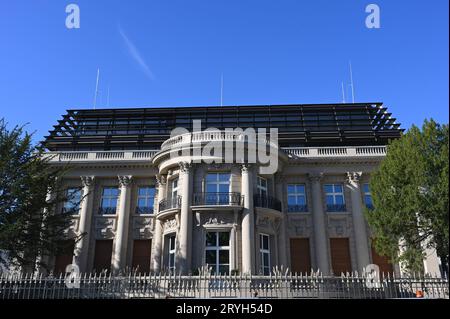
{"points": [[73, 199], [174, 193], [145, 200], [217, 189], [217, 252], [296, 198], [264, 251], [334, 194], [171, 254], [261, 186], [367, 196], [108, 203]]}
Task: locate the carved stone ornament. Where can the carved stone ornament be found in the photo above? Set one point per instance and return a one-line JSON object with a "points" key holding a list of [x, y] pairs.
{"points": [[185, 166], [353, 177], [125, 181], [315, 177], [170, 224], [161, 180], [87, 181]]}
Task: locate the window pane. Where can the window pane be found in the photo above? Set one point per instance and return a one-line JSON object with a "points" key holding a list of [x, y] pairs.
{"points": [[172, 243], [141, 202], [211, 177], [143, 191], [291, 189], [211, 239], [210, 258], [301, 189], [339, 199], [368, 199], [224, 188], [224, 269], [301, 200], [224, 177], [211, 188], [224, 256], [292, 200], [224, 239], [338, 188], [366, 188], [266, 242], [328, 188], [266, 259], [329, 200]]}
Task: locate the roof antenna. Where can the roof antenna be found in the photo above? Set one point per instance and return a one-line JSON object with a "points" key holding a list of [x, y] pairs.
{"points": [[343, 92], [351, 81], [96, 88], [221, 89]]}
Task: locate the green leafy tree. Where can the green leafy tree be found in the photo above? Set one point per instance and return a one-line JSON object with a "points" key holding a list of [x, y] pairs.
{"points": [[410, 196], [30, 227]]}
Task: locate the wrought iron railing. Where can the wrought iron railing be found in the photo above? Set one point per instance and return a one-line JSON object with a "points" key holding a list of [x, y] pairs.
{"points": [[266, 201], [336, 208], [144, 210], [297, 208], [107, 210], [170, 203], [205, 285], [233, 198]]}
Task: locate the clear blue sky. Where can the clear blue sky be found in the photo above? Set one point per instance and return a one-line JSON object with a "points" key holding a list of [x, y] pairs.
{"points": [[172, 53]]}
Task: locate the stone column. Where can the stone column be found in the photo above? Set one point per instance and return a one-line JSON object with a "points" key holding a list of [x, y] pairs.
{"points": [[184, 255], [320, 233], [84, 224], [282, 242], [248, 218], [359, 223], [123, 219], [157, 237]]}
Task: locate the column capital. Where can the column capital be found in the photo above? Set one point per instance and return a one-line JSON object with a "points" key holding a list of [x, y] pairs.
{"points": [[245, 168], [125, 180], [353, 177], [87, 181], [315, 177], [185, 167]]}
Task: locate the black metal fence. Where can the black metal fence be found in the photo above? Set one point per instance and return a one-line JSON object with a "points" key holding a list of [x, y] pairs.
{"points": [[92, 286]]}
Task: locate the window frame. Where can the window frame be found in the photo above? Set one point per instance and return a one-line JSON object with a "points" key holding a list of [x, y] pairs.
{"points": [[149, 200], [297, 195], [334, 207], [367, 193], [75, 209], [264, 251], [171, 252], [218, 182], [107, 210], [217, 248], [262, 189]]}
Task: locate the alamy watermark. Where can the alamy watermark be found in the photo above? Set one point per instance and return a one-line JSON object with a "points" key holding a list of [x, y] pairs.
{"points": [[373, 19], [73, 16], [231, 145]]}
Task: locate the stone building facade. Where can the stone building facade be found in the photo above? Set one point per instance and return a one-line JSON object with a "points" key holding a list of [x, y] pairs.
{"points": [[147, 207]]}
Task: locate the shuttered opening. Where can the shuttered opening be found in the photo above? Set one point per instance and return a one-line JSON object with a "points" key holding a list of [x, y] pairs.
{"points": [[340, 255], [103, 255], [300, 255], [382, 262], [141, 255], [64, 257]]}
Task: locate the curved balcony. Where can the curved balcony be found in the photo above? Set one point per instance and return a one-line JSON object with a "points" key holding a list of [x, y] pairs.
{"points": [[266, 202], [218, 199], [169, 203]]}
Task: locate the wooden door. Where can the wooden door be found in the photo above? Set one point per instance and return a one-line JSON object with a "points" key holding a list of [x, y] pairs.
{"points": [[382, 262], [141, 255], [340, 255], [65, 257], [300, 255], [103, 255]]}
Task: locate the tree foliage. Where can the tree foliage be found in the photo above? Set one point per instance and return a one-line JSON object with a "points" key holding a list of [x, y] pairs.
{"points": [[30, 226], [410, 196]]}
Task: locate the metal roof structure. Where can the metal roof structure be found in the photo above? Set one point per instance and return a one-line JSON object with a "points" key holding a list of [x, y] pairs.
{"points": [[298, 125]]}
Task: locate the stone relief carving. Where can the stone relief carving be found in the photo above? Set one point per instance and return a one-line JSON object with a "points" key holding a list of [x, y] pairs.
{"points": [[185, 166], [353, 177], [170, 224], [105, 228], [143, 227], [339, 226], [125, 180], [87, 180], [300, 226]]}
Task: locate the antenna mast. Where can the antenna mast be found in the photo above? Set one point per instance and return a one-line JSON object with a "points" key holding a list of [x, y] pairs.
{"points": [[221, 89], [351, 81], [96, 88]]}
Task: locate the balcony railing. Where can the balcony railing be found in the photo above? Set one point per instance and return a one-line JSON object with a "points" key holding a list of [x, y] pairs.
{"points": [[233, 198], [297, 208], [336, 208], [266, 202], [170, 203], [144, 210], [107, 210]]}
